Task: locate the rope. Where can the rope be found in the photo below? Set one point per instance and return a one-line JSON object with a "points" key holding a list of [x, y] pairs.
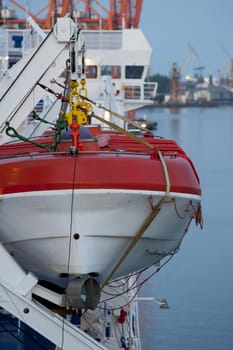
{"points": [[115, 114], [12, 132], [65, 99], [123, 131], [152, 215], [155, 209], [135, 288], [58, 95], [197, 214]]}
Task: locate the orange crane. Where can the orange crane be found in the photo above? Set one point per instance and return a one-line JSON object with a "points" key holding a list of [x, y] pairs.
{"points": [[90, 14], [175, 76], [175, 88]]}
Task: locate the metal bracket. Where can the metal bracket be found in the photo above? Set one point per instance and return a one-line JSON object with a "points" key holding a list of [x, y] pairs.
{"points": [[16, 288]]}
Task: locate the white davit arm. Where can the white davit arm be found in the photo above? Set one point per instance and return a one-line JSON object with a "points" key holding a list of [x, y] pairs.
{"points": [[16, 289], [19, 92]]}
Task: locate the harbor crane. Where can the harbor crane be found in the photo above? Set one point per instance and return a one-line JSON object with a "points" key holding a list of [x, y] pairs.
{"points": [[176, 74], [229, 78], [90, 14]]}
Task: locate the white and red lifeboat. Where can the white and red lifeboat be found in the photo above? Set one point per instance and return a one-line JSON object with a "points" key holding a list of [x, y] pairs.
{"points": [[108, 210]]}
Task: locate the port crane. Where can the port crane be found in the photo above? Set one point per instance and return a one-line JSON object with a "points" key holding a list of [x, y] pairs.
{"points": [[90, 14], [176, 74], [229, 79]]}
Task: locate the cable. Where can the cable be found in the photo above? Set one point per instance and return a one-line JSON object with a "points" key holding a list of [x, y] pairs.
{"points": [[137, 286], [70, 237]]}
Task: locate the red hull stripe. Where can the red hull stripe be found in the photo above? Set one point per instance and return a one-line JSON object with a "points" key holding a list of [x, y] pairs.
{"points": [[96, 171]]}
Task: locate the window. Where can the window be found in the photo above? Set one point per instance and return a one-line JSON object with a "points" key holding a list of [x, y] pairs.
{"points": [[91, 72], [132, 92], [134, 72], [18, 39], [113, 71]]}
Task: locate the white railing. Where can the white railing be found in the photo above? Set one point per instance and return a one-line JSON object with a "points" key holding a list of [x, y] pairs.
{"points": [[140, 91], [103, 39], [3, 51]]}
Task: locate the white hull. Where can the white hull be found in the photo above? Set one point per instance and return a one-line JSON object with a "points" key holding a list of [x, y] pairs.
{"points": [[43, 235]]}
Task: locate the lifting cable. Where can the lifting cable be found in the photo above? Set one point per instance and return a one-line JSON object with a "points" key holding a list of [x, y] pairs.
{"points": [[70, 239]]}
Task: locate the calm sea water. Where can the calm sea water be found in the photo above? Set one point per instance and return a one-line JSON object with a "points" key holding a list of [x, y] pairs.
{"points": [[198, 281]]}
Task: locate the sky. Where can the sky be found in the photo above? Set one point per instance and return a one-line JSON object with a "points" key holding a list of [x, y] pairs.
{"points": [[171, 26], [207, 25]]}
